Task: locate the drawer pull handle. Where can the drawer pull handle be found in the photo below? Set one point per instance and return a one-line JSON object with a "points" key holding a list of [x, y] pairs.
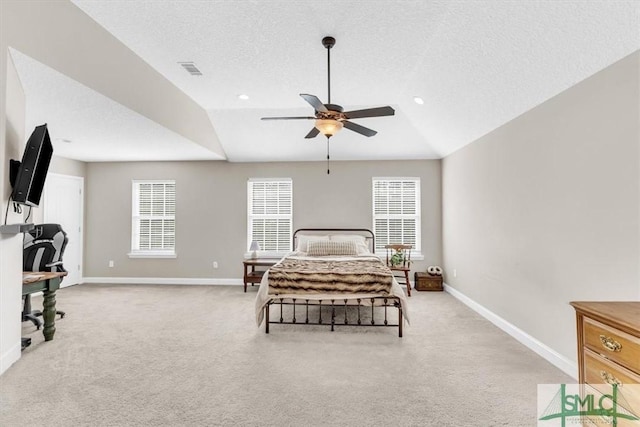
{"points": [[610, 379], [610, 344]]}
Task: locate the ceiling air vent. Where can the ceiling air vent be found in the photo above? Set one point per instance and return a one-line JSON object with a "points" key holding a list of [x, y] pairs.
{"points": [[191, 68]]}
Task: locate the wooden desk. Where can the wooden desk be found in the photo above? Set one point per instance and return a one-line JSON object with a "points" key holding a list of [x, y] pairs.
{"points": [[255, 276], [48, 283]]}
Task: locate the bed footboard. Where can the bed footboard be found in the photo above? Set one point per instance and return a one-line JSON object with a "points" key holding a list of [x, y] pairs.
{"points": [[334, 312]]}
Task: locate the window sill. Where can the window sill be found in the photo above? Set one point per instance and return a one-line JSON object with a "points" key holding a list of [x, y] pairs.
{"points": [[152, 255], [415, 256], [263, 254]]}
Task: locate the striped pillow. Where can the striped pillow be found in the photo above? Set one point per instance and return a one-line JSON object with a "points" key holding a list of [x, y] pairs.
{"points": [[328, 247]]}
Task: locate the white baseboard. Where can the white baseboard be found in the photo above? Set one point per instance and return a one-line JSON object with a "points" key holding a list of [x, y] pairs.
{"points": [[162, 281], [10, 357], [561, 362]]}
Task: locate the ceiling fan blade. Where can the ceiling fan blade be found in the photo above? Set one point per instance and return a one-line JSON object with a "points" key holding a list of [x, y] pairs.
{"points": [[357, 128], [312, 133], [370, 112], [315, 102], [287, 118]]}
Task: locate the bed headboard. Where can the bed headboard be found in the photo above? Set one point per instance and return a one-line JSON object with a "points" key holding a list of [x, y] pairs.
{"points": [[368, 234]]}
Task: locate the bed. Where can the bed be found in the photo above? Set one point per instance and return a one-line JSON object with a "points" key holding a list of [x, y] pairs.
{"points": [[331, 278]]}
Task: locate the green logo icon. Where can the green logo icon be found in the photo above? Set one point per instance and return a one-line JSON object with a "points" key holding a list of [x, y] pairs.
{"points": [[598, 408]]}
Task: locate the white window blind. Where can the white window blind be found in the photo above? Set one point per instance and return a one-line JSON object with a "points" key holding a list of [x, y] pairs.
{"points": [[153, 217], [396, 212], [270, 214]]}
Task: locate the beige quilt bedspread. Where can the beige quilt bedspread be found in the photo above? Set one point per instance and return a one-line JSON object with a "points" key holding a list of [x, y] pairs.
{"points": [[298, 275]]}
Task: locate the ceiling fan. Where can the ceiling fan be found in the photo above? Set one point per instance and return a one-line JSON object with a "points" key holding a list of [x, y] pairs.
{"points": [[330, 118]]}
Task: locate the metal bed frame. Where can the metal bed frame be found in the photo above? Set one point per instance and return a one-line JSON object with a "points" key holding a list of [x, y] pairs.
{"points": [[337, 302]]}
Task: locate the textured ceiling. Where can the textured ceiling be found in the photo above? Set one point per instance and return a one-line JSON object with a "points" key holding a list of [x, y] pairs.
{"points": [[477, 65], [85, 125]]}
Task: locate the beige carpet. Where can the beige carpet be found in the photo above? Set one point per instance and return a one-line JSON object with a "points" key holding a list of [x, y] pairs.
{"points": [[134, 355]]}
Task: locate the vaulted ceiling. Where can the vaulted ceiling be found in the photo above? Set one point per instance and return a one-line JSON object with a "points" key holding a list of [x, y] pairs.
{"points": [[476, 64]]}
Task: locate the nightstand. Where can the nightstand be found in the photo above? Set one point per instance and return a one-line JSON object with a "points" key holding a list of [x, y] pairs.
{"points": [[251, 275]]}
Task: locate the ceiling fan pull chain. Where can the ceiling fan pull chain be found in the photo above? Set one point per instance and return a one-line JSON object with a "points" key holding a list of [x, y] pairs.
{"points": [[328, 156]]}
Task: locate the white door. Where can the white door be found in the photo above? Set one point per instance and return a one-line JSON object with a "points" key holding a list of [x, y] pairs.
{"points": [[63, 204]]}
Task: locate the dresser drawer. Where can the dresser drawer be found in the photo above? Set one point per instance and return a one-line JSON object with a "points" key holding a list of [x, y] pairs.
{"points": [[600, 373], [613, 344]]}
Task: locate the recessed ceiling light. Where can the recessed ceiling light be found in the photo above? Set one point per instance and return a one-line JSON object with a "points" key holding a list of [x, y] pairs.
{"points": [[243, 97], [418, 100]]}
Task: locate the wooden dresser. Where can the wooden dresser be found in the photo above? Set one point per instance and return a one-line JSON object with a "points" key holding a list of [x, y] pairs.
{"points": [[609, 346]]}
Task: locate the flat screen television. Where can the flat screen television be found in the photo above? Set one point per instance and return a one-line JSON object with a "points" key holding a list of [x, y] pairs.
{"points": [[27, 177]]}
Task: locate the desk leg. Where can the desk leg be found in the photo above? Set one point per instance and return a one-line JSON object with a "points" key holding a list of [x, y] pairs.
{"points": [[49, 314], [245, 278]]}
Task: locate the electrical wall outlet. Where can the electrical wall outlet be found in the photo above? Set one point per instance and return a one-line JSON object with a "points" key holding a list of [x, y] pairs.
{"points": [[455, 273], [111, 263], [215, 264]]}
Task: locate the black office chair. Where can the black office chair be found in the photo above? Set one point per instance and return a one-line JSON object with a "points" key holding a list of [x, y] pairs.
{"points": [[42, 251]]}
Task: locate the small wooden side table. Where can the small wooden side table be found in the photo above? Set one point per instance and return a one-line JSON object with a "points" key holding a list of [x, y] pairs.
{"points": [[426, 282], [251, 275]]}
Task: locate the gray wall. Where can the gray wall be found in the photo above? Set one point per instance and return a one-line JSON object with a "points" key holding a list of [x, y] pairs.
{"points": [[211, 215], [545, 209], [68, 167]]}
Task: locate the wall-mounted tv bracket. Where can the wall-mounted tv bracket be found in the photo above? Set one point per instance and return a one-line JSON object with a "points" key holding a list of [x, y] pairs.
{"points": [[14, 166]]}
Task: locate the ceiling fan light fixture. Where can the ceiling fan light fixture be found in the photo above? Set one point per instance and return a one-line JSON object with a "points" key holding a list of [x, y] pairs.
{"points": [[328, 127], [331, 118]]}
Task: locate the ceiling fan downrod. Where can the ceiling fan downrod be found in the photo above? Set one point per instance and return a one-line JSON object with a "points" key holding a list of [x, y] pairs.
{"points": [[328, 42]]}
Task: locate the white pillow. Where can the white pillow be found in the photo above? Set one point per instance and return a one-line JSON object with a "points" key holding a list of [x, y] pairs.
{"points": [[362, 248], [348, 237], [302, 240]]}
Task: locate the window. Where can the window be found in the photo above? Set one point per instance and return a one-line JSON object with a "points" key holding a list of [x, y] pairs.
{"points": [[396, 212], [153, 230], [270, 214]]}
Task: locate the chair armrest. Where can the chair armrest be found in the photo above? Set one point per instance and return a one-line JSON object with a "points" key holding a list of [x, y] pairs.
{"points": [[56, 266], [53, 264]]}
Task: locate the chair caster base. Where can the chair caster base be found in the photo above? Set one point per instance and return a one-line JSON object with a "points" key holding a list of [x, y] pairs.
{"points": [[25, 342]]}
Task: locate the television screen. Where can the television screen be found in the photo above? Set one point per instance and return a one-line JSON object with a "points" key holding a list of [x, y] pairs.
{"points": [[32, 171]]}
